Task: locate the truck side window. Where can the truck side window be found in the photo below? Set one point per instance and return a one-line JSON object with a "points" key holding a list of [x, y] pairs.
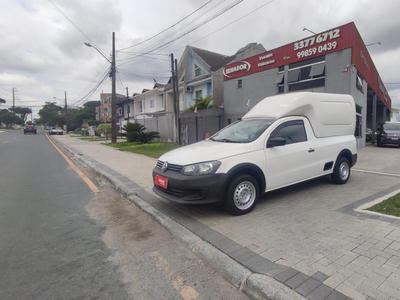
{"points": [[292, 132]]}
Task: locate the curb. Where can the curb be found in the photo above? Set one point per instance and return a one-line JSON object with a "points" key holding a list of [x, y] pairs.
{"points": [[256, 286]]}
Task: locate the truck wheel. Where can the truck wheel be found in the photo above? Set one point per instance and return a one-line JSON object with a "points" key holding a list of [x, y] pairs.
{"points": [[341, 173], [241, 195]]}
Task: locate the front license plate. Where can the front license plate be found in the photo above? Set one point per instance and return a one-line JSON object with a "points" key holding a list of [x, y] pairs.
{"points": [[161, 181]]}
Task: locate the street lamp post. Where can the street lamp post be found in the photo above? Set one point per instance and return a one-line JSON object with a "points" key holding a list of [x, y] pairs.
{"points": [[376, 43], [114, 130]]}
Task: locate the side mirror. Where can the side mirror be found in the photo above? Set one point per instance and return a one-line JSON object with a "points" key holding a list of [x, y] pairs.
{"points": [[276, 141]]}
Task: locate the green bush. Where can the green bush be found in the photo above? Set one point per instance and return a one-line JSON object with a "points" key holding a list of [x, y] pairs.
{"points": [[136, 132], [100, 128]]}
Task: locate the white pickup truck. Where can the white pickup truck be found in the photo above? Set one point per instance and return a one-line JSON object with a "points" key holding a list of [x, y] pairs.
{"points": [[283, 140], [56, 130]]}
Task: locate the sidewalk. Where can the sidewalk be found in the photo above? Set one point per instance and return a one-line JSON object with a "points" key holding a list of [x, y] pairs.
{"points": [[305, 241]]}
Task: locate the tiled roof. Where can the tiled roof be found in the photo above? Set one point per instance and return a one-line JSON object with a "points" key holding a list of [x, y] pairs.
{"points": [[214, 60]]}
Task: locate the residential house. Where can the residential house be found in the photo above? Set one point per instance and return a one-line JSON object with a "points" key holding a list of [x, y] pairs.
{"points": [[149, 103], [200, 72], [105, 106]]}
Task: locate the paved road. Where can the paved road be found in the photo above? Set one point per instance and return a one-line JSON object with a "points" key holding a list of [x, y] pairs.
{"points": [[309, 237], [59, 240]]}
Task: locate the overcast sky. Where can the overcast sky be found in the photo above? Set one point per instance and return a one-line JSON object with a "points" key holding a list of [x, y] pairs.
{"points": [[42, 51]]}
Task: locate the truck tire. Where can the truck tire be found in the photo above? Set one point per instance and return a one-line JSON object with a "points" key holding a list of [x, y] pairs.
{"points": [[241, 195], [341, 172]]}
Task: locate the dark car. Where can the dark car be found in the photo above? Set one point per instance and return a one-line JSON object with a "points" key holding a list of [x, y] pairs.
{"points": [[388, 133], [29, 128]]}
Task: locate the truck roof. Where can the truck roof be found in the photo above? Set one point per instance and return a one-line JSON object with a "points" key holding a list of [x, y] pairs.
{"points": [[329, 114]]}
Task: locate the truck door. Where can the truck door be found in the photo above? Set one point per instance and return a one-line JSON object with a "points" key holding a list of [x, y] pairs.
{"points": [[292, 162]]}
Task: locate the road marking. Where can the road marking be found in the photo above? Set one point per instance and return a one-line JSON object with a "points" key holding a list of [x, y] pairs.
{"points": [[377, 173], [5, 142], [186, 292], [91, 185]]}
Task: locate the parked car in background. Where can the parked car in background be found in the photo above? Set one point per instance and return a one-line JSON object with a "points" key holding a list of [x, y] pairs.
{"points": [[29, 129], [56, 130], [388, 133]]}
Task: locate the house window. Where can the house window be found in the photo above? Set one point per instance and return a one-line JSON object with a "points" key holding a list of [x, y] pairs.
{"points": [[199, 94], [120, 111], [359, 83], [152, 104], [142, 106], [198, 71], [239, 84]]}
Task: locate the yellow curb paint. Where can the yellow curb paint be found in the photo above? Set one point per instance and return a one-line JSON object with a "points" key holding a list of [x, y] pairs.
{"points": [[186, 292], [91, 185]]}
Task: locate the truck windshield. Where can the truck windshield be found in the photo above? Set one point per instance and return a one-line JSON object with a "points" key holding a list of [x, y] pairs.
{"points": [[243, 131]]}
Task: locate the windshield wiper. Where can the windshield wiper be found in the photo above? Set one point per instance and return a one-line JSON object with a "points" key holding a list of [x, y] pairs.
{"points": [[226, 141]]}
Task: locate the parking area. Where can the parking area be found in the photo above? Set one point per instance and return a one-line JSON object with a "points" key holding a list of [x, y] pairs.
{"points": [[311, 229]]}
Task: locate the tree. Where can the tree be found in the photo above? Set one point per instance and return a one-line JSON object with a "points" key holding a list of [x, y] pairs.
{"points": [[22, 112], [9, 119], [92, 105], [201, 103], [2, 100], [52, 114]]}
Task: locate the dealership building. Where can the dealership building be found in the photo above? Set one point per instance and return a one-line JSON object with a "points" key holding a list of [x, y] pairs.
{"points": [[335, 61]]}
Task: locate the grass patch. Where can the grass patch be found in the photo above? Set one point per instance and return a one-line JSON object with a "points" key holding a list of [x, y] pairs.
{"points": [[155, 149], [91, 139], [390, 206]]}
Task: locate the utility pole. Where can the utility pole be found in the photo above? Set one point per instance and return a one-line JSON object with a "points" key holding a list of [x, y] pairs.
{"points": [[113, 96], [127, 99], [176, 96], [13, 100], [66, 112]]}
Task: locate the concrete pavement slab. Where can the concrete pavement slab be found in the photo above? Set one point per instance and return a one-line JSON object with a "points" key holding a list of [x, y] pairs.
{"points": [[311, 228]]}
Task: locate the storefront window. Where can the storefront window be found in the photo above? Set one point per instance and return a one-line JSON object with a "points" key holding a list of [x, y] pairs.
{"points": [[359, 83], [358, 131]]}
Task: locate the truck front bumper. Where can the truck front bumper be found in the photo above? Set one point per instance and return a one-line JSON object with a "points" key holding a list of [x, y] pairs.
{"points": [[186, 189]]}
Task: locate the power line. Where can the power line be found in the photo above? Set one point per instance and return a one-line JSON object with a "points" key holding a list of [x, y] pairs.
{"points": [[227, 24], [69, 20], [150, 38], [195, 27]]}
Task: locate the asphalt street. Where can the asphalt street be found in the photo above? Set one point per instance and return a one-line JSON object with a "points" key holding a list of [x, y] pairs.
{"points": [[49, 246], [311, 240], [61, 240]]}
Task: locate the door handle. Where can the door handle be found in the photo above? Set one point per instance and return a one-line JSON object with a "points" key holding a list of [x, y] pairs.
{"points": [[311, 150]]}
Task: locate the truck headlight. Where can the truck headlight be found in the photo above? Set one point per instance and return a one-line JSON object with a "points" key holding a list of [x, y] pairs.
{"points": [[209, 167]]}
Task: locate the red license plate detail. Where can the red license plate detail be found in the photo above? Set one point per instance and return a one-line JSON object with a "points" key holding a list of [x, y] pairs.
{"points": [[161, 181]]}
